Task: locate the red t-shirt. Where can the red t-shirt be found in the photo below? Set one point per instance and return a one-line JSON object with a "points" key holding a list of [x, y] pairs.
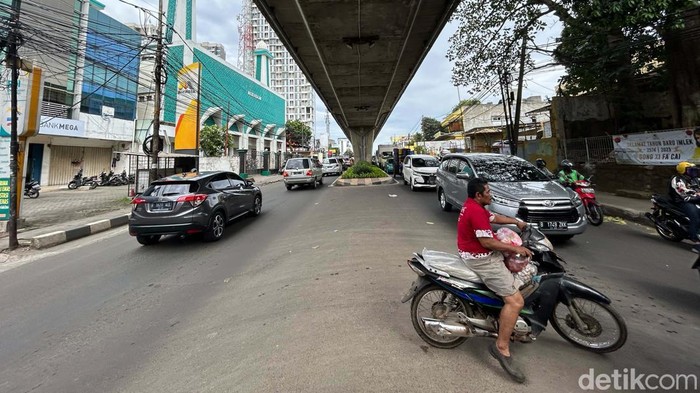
{"points": [[474, 222]]}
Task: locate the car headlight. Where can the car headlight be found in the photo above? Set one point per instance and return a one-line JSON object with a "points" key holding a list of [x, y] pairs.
{"points": [[505, 201], [576, 200]]}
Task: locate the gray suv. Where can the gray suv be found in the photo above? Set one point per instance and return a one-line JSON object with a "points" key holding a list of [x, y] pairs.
{"points": [[304, 171], [518, 189], [192, 203]]}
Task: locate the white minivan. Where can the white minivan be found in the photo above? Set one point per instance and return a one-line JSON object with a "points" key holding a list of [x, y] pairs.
{"points": [[332, 166], [419, 171]]}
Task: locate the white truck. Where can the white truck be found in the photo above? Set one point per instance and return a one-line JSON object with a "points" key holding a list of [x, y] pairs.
{"points": [[384, 152]]}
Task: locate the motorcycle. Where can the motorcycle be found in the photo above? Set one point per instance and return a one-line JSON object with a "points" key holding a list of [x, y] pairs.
{"points": [[594, 213], [31, 189], [79, 181], [451, 304], [670, 221]]}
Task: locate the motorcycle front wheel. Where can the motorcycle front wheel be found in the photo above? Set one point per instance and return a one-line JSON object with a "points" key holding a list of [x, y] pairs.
{"points": [[72, 185], [604, 329], [436, 303], [33, 194], [594, 214]]}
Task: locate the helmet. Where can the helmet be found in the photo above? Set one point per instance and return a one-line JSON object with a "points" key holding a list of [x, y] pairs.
{"points": [[683, 166], [540, 163], [566, 165]]}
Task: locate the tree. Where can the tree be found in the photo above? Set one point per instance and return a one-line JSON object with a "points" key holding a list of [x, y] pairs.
{"points": [[298, 134], [211, 140], [467, 102], [429, 127], [348, 152], [418, 137]]}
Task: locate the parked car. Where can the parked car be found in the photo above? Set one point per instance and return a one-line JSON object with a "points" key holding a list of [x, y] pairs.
{"points": [[302, 171], [192, 203], [518, 189], [332, 166], [419, 171]]}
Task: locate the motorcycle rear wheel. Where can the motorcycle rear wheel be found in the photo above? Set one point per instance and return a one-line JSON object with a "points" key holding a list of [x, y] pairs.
{"points": [[663, 230], [33, 194], [591, 313], [72, 185], [430, 303], [594, 214]]}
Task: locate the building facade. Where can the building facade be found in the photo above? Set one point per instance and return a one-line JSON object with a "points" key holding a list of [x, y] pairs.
{"points": [[215, 48], [286, 78], [89, 103]]}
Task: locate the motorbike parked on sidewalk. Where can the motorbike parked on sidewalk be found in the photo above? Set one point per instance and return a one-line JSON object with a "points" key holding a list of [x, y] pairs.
{"points": [[451, 304], [670, 221], [585, 191], [79, 181], [31, 189]]}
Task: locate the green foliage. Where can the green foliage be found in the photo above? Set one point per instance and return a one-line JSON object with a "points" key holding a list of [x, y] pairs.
{"points": [[362, 170], [420, 149], [418, 137], [298, 134], [430, 127], [348, 153], [211, 140], [468, 102]]}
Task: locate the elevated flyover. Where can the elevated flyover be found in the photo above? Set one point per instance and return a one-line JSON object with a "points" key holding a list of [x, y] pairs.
{"points": [[359, 55]]}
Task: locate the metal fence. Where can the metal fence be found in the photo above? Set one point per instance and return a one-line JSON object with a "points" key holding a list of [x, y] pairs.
{"points": [[589, 150]]}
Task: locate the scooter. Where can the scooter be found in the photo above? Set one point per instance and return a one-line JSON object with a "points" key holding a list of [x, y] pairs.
{"points": [[451, 304], [585, 191], [79, 181], [670, 221], [31, 189]]}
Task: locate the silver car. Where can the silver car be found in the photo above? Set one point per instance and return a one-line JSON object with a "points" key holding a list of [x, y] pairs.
{"points": [[332, 166], [304, 171], [518, 189]]}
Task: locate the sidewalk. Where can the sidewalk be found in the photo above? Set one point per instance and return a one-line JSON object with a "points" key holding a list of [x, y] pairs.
{"points": [[60, 215]]}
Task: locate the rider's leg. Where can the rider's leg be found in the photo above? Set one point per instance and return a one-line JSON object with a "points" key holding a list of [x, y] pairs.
{"points": [[506, 321]]}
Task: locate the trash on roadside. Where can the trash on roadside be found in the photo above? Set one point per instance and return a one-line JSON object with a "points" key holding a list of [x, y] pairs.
{"points": [[392, 195]]}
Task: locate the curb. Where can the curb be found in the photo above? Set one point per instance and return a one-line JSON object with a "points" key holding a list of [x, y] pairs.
{"points": [[364, 182], [628, 214], [60, 237]]}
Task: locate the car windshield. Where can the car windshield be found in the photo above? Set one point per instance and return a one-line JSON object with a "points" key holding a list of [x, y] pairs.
{"points": [[506, 169], [170, 189], [425, 162], [329, 161], [298, 164]]}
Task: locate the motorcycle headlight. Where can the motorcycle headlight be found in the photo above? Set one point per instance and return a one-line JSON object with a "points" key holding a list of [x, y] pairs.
{"points": [[576, 200], [505, 201]]}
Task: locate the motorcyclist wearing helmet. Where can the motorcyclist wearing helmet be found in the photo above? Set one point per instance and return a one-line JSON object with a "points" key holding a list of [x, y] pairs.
{"points": [[542, 166], [683, 191], [568, 175]]}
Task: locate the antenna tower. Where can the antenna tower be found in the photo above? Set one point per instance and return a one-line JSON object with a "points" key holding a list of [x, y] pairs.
{"points": [[245, 38]]}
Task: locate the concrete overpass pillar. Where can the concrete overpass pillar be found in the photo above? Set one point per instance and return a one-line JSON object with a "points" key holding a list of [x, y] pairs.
{"points": [[361, 146]]}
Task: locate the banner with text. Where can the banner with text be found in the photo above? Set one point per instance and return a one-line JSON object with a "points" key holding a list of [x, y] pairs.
{"points": [[186, 128], [659, 148]]}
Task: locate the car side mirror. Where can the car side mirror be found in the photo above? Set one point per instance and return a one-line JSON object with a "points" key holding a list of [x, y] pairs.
{"points": [[466, 174]]}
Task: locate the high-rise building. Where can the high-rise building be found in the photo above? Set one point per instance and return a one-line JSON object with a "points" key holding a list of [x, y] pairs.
{"points": [[215, 48], [285, 76]]}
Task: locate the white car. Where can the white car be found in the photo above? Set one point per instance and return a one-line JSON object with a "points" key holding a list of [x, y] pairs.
{"points": [[419, 171], [332, 166]]}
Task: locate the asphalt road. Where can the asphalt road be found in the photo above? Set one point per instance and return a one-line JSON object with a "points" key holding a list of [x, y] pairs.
{"points": [[305, 298]]}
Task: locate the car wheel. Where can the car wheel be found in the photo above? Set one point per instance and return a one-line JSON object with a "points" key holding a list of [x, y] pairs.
{"points": [[148, 240], [320, 181], [446, 206], [257, 206], [314, 184], [413, 185], [216, 228], [289, 186]]}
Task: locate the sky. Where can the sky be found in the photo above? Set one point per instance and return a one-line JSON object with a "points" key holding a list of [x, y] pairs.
{"points": [[430, 93]]}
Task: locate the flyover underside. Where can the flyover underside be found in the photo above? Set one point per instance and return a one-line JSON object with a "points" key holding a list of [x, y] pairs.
{"points": [[359, 55]]}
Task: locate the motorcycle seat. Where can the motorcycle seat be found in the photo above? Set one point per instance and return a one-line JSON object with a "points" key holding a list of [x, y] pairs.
{"points": [[451, 264]]}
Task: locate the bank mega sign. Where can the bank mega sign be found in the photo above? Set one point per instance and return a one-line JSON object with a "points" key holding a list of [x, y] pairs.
{"points": [[61, 127]]}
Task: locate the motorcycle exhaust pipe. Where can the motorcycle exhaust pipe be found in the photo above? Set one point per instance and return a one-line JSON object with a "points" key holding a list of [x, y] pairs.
{"points": [[442, 328]]}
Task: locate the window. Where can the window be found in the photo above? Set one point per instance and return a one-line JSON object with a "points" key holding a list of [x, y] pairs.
{"points": [[219, 182], [236, 181]]}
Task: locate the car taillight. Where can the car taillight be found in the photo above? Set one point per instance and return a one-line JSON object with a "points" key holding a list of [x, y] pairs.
{"points": [[309, 173], [194, 199], [285, 174], [138, 201]]}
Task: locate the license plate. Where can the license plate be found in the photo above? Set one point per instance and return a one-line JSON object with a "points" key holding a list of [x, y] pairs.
{"points": [[161, 206], [553, 225], [588, 190]]}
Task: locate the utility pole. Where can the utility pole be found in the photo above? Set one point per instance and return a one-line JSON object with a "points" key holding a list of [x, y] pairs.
{"points": [[504, 97], [155, 140], [13, 62], [516, 121]]}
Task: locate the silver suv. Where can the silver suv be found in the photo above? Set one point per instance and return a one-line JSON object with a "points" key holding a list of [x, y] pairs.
{"points": [[302, 171], [518, 189]]}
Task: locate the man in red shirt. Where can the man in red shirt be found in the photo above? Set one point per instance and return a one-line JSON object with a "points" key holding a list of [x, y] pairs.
{"points": [[482, 253]]}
